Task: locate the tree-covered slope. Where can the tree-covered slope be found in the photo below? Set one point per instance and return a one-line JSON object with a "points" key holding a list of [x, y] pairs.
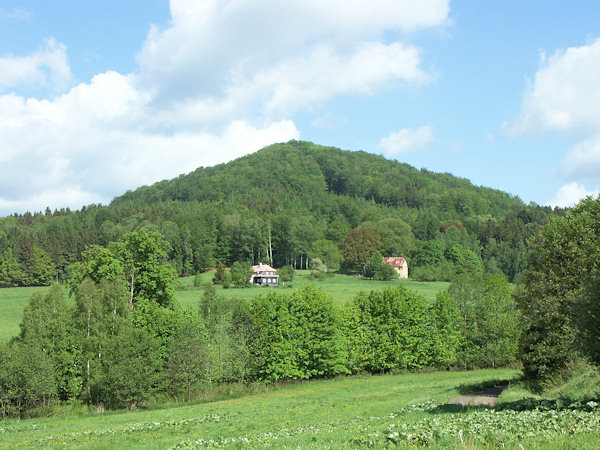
{"points": [[293, 201], [284, 175]]}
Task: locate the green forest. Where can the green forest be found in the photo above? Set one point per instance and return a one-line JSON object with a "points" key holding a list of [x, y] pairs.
{"points": [[288, 204], [523, 289]]}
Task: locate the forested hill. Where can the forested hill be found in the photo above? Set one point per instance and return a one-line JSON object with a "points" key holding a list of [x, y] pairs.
{"points": [[307, 201], [301, 173]]}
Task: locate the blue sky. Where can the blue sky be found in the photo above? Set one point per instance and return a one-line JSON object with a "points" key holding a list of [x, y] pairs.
{"points": [[100, 97]]}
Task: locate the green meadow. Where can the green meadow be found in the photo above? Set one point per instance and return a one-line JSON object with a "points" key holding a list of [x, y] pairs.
{"points": [[340, 287], [406, 410], [343, 412], [12, 304]]}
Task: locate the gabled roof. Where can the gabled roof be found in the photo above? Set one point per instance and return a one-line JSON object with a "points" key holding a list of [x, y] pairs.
{"points": [[395, 261], [263, 268]]}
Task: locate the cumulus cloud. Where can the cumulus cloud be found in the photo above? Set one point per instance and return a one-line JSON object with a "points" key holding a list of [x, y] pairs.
{"points": [[284, 55], [406, 140], [570, 194], [564, 99], [89, 145], [564, 96], [222, 79], [48, 65]]}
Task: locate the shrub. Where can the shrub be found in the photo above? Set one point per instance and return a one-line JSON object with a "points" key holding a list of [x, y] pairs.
{"points": [[386, 273]]}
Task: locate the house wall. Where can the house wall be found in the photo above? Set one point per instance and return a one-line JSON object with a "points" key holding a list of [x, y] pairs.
{"points": [[402, 271]]}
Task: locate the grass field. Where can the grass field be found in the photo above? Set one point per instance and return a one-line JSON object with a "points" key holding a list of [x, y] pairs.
{"points": [[12, 304], [340, 287], [320, 413], [407, 410]]}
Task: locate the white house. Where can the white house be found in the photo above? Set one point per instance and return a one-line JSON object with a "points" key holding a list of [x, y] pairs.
{"points": [[264, 275]]}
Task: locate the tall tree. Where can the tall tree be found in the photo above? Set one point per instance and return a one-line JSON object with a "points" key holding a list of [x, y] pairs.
{"points": [[563, 263], [358, 247]]}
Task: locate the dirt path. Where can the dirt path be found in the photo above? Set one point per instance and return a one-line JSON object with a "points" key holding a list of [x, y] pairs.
{"points": [[481, 398]]}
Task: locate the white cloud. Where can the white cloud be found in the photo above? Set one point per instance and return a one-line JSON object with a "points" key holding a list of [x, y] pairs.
{"points": [[49, 64], [15, 14], [564, 100], [280, 56], [570, 194], [564, 96], [90, 145], [406, 140], [583, 160], [220, 81]]}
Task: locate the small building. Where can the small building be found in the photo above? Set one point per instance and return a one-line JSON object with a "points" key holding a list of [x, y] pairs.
{"points": [[399, 264], [264, 275]]}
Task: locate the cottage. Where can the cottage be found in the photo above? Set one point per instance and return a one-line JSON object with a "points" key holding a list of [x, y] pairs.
{"points": [[399, 264], [264, 275]]}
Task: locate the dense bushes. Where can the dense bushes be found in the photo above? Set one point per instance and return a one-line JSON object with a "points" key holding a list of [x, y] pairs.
{"points": [[296, 336], [98, 351]]}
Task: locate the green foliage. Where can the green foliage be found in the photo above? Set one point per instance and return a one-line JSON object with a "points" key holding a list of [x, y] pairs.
{"points": [[439, 260], [11, 273], [317, 195], [47, 325], [295, 336], [318, 269], [328, 252], [490, 322], [557, 288], [131, 369], [286, 273], [374, 265], [138, 260], [393, 326], [41, 271], [446, 335], [27, 379], [187, 359], [100, 312], [396, 236], [358, 247], [222, 276], [240, 274], [386, 273]]}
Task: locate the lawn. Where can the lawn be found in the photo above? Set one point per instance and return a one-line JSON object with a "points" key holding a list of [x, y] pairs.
{"points": [[340, 287]]}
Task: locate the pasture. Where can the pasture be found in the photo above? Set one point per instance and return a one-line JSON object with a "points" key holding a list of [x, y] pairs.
{"points": [[407, 410], [343, 412]]}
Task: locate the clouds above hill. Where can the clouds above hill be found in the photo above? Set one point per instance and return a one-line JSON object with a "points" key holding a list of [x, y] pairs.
{"points": [[220, 80], [564, 101]]}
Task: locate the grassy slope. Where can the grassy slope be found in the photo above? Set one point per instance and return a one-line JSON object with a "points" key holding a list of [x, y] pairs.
{"points": [[12, 304], [351, 412], [334, 413]]}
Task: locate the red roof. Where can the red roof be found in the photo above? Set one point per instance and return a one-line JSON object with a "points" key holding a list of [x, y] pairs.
{"points": [[395, 261]]}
